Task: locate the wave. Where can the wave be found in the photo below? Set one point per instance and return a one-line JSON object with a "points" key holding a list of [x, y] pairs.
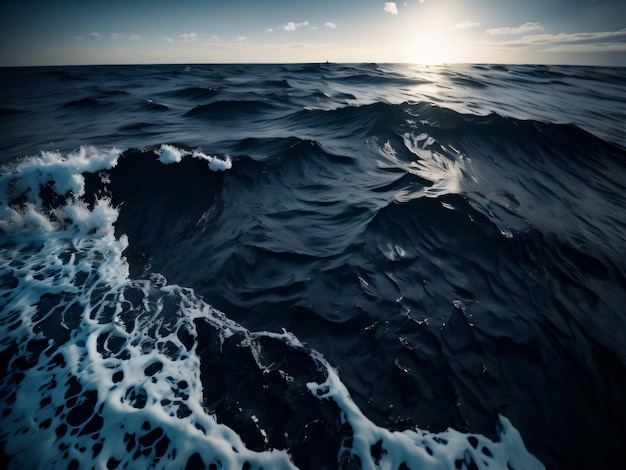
{"points": [[279, 84], [150, 105], [227, 109], [465, 80], [127, 378], [10, 111], [427, 204], [194, 93], [137, 126], [536, 162], [113, 92], [373, 79], [347, 121], [62, 74], [86, 103]]}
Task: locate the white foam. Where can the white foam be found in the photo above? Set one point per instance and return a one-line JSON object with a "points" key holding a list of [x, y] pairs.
{"points": [[64, 172], [115, 383], [28, 219], [101, 216], [215, 163], [170, 154], [422, 449]]}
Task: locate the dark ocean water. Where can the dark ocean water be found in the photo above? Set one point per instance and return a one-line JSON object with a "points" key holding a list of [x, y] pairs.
{"points": [[319, 266]]}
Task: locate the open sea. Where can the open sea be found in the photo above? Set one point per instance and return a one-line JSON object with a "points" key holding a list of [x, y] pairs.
{"points": [[340, 266]]}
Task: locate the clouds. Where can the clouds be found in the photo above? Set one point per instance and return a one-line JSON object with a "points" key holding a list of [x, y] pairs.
{"points": [[525, 28], [188, 37], [390, 7], [561, 42], [129, 37], [291, 26], [574, 42], [115, 36], [467, 25], [558, 42], [184, 37]]}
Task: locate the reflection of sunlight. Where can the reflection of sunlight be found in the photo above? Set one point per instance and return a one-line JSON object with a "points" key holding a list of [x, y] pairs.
{"points": [[443, 165]]}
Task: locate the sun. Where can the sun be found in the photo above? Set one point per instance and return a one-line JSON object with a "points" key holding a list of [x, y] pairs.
{"points": [[433, 47], [430, 39]]}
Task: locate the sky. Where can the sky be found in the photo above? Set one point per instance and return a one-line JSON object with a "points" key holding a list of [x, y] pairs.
{"points": [[70, 32]]}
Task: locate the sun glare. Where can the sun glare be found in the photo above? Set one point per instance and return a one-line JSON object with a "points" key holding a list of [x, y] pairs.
{"points": [[432, 47], [430, 39]]}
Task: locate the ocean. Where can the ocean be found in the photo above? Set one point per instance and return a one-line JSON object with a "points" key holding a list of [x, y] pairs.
{"points": [[313, 266]]}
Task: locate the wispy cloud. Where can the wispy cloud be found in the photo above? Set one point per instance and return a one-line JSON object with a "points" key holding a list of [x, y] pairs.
{"points": [[95, 36], [525, 28], [467, 25], [594, 41], [214, 39], [291, 26], [390, 7], [77, 38], [130, 37], [330, 25], [188, 37]]}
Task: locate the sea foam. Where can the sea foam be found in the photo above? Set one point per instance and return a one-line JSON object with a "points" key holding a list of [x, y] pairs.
{"points": [[171, 154]]}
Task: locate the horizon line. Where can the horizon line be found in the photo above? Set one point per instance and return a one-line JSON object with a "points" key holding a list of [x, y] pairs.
{"points": [[424, 64]]}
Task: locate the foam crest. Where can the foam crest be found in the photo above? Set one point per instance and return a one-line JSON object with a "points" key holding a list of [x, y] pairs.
{"points": [[170, 154], [64, 173], [42, 193], [100, 217]]}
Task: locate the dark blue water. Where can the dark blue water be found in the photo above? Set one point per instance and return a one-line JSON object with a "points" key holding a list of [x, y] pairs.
{"points": [[324, 266]]}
